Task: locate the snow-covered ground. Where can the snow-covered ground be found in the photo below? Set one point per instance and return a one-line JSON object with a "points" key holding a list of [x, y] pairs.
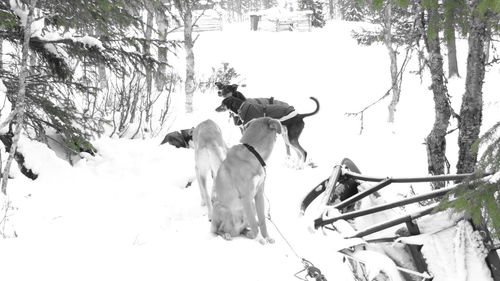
{"points": [[125, 214]]}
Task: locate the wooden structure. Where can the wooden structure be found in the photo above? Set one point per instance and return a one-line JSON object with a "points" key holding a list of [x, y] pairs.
{"points": [[343, 175], [207, 20], [284, 21], [203, 20]]}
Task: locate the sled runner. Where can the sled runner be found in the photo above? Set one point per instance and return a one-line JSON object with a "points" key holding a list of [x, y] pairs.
{"points": [[342, 191]]}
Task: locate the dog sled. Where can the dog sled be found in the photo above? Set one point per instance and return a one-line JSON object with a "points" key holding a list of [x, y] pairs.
{"points": [[339, 205]]}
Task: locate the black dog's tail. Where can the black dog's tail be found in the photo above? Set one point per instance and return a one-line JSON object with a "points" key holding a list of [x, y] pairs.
{"points": [[312, 113]]}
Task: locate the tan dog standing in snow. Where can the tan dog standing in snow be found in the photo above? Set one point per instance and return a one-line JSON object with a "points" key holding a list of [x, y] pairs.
{"points": [[238, 196], [209, 152]]}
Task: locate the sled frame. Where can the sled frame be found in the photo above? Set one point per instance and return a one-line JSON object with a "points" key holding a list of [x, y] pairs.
{"points": [[347, 170]]}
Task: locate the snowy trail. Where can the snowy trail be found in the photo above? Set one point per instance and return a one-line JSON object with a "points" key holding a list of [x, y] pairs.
{"points": [[127, 216]]}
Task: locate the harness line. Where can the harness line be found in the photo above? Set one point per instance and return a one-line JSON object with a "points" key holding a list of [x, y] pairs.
{"points": [[312, 271]]}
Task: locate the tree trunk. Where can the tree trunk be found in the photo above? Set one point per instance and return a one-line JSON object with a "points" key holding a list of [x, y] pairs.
{"points": [[265, 3], [149, 72], [487, 45], [103, 86], [135, 94], [188, 45], [449, 35], [331, 8], [101, 71], [7, 140], [124, 106], [20, 100], [161, 21], [133, 107], [394, 62], [102, 81], [1, 53], [436, 140], [471, 110]]}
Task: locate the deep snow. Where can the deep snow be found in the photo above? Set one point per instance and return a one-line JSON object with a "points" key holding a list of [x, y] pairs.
{"points": [[125, 214]]}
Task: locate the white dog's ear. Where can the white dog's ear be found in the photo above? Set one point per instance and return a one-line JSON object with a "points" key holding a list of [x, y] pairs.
{"points": [[275, 125]]}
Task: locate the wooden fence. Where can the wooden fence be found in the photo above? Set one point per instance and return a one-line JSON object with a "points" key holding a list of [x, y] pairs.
{"points": [[290, 21], [204, 20], [207, 20]]}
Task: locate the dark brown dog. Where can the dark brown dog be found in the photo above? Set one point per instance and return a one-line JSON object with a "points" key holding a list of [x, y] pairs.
{"points": [[180, 138], [226, 90], [253, 108]]}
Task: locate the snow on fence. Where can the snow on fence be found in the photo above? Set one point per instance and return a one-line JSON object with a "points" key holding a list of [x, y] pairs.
{"points": [[281, 21], [204, 20], [208, 20]]}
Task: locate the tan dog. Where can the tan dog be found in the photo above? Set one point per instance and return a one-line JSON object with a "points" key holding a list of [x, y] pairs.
{"points": [[209, 152], [238, 196]]}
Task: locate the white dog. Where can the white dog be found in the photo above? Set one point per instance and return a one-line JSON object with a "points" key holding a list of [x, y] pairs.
{"points": [[238, 197], [209, 152]]}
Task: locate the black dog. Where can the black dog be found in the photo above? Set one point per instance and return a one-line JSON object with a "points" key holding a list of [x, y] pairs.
{"points": [[253, 108], [226, 90], [179, 138]]}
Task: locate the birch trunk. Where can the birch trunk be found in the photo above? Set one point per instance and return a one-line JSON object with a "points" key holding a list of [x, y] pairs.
{"points": [[487, 45], [265, 3], [331, 8], [188, 44], [436, 140], [101, 71], [239, 9], [471, 110], [149, 72], [161, 75], [102, 82], [133, 106], [1, 53], [20, 101], [394, 63], [449, 34]]}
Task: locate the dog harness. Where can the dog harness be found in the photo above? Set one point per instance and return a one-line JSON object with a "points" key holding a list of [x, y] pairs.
{"points": [[256, 154], [254, 108]]}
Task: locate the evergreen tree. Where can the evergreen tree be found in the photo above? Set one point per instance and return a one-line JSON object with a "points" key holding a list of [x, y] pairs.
{"points": [[351, 10], [60, 42], [318, 19]]}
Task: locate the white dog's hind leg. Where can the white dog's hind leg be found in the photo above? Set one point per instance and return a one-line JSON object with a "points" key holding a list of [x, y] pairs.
{"points": [[201, 176]]}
